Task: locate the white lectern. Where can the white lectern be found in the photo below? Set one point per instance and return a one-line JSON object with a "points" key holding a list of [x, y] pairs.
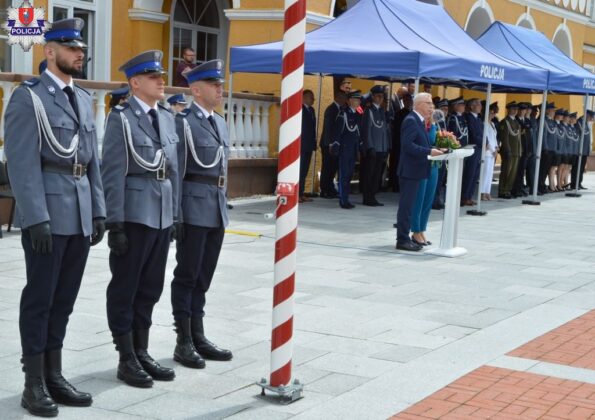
{"points": [[448, 239]]}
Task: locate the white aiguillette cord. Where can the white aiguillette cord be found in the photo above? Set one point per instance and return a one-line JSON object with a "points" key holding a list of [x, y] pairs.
{"points": [[188, 139], [158, 160], [45, 130]]}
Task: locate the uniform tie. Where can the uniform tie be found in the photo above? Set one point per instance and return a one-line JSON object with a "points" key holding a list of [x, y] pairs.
{"points": [[154, 121], [72, 99], [213, 124]]}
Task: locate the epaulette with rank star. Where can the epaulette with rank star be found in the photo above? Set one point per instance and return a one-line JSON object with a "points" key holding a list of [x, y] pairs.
{"points": [[121, 107], [31, 82], [83, 89], [183, 113]]}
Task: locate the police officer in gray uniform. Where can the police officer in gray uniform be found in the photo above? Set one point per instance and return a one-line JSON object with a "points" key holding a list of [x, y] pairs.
{"points": [[51, 148], [585, 151], [140, 178], [376, 145], [548, 148], [203, 156]]}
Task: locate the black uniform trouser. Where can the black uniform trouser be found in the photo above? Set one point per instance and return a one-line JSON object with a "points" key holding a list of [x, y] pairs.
{"points": [[330, 166], [530, 172], [409, 189], [440, 196], [547, 157], [576, 171], [471, 166], [197, 258], [305, 158], [520, 174], [137, 278], [373, 167], [53, 282]]}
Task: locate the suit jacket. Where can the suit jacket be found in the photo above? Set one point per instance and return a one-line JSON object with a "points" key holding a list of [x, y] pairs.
{"points": [[203, 204], [330, 115], [69, 204], [415, 149], [475, 126], [308, 129], [129, 198]]}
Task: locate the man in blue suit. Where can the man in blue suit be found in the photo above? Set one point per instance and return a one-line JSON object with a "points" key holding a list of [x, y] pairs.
{"points": [[413, 165], [473, 163]]}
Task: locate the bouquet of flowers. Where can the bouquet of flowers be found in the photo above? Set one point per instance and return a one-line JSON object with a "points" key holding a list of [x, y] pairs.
{"points": [[446, 140]]}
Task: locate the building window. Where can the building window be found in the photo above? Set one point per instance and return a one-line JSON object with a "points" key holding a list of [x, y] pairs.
{"points": [[5, 49], [196, 25]]}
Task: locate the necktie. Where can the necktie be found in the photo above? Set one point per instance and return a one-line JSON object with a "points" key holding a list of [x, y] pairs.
{"points": [[213, 124], [154, 121], [72, 99]]}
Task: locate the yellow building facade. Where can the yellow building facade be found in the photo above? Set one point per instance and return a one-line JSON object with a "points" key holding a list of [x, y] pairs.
{"points": [[119, 29]]}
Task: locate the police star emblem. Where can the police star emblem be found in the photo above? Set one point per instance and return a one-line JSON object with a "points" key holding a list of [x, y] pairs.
{"points": [[26, 25]]}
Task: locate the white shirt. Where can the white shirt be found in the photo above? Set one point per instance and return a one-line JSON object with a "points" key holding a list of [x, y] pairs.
{"points": [[376, 106], [203, 110], [146, 107], [59, 82]]}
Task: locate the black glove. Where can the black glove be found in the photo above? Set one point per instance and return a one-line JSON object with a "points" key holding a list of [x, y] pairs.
{"points": [[117, 240], [178, 232], [98, 230], [41, 238]]}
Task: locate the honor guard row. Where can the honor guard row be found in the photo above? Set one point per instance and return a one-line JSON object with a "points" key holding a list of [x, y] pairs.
{"points": [[161, 178]]}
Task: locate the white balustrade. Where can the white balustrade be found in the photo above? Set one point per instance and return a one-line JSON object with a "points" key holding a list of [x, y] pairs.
{"points": [[240, 130], [6, 94], [264, 145], [99, 99], [257, 133]]}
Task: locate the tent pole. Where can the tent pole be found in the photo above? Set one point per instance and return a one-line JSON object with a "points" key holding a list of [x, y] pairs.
{"points": [[317, 131], [229, 104], [580, 151], [484, 138], [534, 201], [416, 86]]}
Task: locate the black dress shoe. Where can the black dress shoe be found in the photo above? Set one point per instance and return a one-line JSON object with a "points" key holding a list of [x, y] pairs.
{"points": [[348, 206], [62, 391], [378, 203], [157, 372], [580, 187], [369, 203], [204, 347], [185, 352], [130, 370], [36, 398], [408, 246]]}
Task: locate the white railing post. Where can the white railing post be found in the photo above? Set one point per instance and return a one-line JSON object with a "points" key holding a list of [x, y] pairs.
{"points": [[100, 115], [265, 129], [249, 134], [240, 132], [257, 132]]}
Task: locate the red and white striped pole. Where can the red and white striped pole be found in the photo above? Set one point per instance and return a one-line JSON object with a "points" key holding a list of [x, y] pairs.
{"points": [[292, 85]]}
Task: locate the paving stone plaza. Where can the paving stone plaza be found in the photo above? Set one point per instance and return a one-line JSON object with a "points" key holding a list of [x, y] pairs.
{"points": [[378, 333]]}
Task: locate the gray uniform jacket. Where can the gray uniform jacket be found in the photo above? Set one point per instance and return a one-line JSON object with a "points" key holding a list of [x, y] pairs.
{"points": [[586, 139], [129, 196], [375, 132], [550, 128], [203, 204], [572, 138], [69, 204]]}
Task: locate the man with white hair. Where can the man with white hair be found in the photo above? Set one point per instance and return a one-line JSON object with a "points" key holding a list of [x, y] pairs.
{"points": [[413, 165]]}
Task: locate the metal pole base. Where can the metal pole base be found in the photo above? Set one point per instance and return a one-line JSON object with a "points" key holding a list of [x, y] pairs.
{"points": [[531, 202], [448, 252], [286, 394], [476, 212], [573, 194]]}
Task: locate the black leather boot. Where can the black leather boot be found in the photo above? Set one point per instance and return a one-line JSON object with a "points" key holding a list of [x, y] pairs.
{"points": [[185, 353], [129, 368], [203, 346], [36, 397], [158, 372], [60, 389]]}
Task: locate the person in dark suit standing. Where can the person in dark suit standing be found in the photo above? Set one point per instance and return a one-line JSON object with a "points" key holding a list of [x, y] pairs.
{"points": [[577, 173], [413, 165], [393, 160], [473, 162], [53, 164], [330, 162], [308, 143]]}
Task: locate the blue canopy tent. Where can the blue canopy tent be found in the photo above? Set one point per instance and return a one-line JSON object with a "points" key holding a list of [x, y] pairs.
{"points": [[533, 48], [396, 40]]}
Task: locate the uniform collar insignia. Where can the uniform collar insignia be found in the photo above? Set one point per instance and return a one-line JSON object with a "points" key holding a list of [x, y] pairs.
{"points": [[51, 89], [199, 115], [137, 112]]}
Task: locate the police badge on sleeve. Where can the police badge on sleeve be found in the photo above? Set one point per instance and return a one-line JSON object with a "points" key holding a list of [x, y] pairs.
{"points": [[26, 25]]}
